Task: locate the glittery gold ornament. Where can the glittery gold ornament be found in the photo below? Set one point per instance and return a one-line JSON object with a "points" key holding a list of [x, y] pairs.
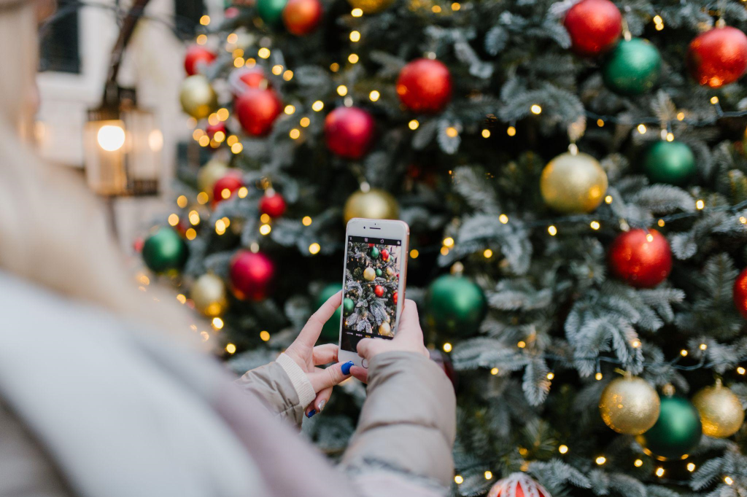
{"points": [[573, 184], [373, 204], [209, 174], [209, 295], [197, 96], [629, 405], [369, 274], [720, 411], [370, 6], [385, 329]]}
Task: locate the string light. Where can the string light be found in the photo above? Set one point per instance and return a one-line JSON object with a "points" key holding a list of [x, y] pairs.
{"points": [[355, 36], [511, 131], [414, 254], [436, 9], [683, 353], [448, 242], [598, 376], [205, 20], [314, 248], [194, 218], [277, 70], [456, 6], [238, 62], [552, 230], [374, 95], [638, 463], [522, 344], [488, 253], [699, 205], [202, 39], [714, 100], [288, 75], [342, 90], [294, 133], [536, 109], [550, 376], [237, 148], [306, 221], [503, 219], [680, 116], [243, 192], [600, 460], [220, 227], [231, 140], [181, 298], [353, 58], [173, 219], [357, 12], [659, 472], [741, 370], [494, 371], [264, 336], [728, 480], [304, 122], [458, 479], [444, 251], [264, 53], [265, 218], [289, 109], [265, 229], [202, 198], [488, 475], [595, 225], [642, 128], [217, 323], [670, 137], [600, 123], [451, 132], [486, 133], [447, 347], [232, 38], [334, 67], [317, 106], [635, 343], [691, 467], [230, 348], [413, 125], [204, 141], [703, 346], [563, 449], [219, 136], [649, 237], [191, 234]]}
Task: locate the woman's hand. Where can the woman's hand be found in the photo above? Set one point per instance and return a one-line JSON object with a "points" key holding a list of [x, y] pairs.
{"points": [[409, 338], [304, 352]]}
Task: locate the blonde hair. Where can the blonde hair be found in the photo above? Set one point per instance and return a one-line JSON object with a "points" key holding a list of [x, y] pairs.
{"points": [[53, 232]]}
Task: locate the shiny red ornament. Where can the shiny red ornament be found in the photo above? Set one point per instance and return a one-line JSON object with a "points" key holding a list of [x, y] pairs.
{"points": [[718, 57], [641, 258], [195, 57], [594, 26], [349, 132], [424, 85], [257, 110], [272, 205], [518, 485], [379, 291], [385, 255], [394, 298], [251, 275], [740, 293], [228, 183], [301, 17], [253, 77], [211, 129]]}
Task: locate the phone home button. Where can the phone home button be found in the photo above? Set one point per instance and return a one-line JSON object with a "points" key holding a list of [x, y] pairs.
{"points": [[364, 363]]}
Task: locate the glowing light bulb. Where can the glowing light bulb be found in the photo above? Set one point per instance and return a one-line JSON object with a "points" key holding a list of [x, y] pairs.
{"points": [[447, 347], [563, 449], [111, 137]]}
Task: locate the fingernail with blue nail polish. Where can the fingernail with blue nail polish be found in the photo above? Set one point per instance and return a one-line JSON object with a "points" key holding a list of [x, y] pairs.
{"points": [[346, 367], [311, 413]]}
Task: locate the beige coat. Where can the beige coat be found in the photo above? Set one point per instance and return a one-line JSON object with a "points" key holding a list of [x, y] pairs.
{"points": [[91, 406]]}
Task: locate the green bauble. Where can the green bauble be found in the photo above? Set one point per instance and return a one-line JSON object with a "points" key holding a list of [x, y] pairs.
{"points": [[165, 250], [378, 272], [348, 306], [632, 68], [454, 305], [271, 11], [669, 162], [676, 432], [331, 329], [374, 253]]}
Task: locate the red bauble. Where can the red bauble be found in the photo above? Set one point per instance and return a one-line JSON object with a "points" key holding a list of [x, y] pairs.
{"points": [[518, 485], [349, 132], [301, 17], [424, 85], [594, 26], [740, 293], [196, 56], [230, 182], [231, 12], [394, 298], [385, 255], [379, 291], [211, 129], [641, 258], [718, 57], [257, 110], [251, 275], [272, 205], [253, 77]]}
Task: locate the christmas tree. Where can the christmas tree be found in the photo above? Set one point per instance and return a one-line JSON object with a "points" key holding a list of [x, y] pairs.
{"points": [[574, 180]]}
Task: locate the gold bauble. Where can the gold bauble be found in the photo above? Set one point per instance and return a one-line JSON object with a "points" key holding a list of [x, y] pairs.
{"points": [[209, 295], [209, 174], [373, 204], [369, 274], [720, 411], [197, 96], [385, 329], [573, 184], [629, 405], [370, 6]]}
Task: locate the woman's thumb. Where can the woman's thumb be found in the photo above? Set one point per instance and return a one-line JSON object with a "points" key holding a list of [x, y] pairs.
{"points": [[330, 376]]}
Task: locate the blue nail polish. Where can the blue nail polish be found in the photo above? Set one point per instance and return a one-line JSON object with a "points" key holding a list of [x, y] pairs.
{"points": [[346, 367], [311, 413]]}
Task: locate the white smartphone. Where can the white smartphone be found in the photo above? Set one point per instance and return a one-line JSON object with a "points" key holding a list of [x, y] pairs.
{"points": [[373, 283]]}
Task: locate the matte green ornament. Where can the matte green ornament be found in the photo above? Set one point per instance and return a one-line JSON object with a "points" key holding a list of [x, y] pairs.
{"points": [[676, 432], [378, 272], [632, 68], [348, 306], [374, 253], [331, 329], [271, 11], [454, 305], [669, 162], [165, 250]]}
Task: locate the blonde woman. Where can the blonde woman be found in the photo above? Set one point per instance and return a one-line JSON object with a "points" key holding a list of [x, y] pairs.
{"points": [[102, 393]]}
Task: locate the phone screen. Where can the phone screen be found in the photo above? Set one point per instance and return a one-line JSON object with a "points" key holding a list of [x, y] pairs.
{"points": [[372, 272]]}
